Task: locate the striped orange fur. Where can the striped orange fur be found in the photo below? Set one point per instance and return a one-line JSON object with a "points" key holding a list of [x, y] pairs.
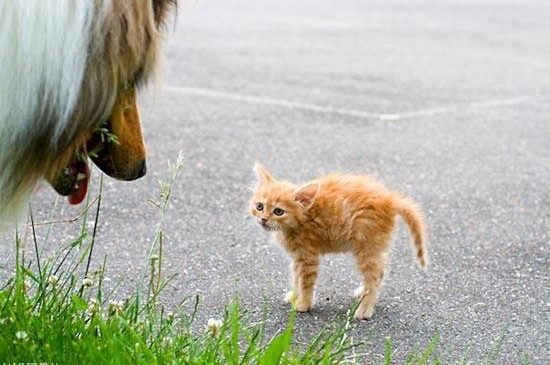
{"points": [[335, 213]]}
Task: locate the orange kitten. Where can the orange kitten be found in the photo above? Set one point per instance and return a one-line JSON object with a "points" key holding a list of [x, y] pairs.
{"points": [[335, 213]]}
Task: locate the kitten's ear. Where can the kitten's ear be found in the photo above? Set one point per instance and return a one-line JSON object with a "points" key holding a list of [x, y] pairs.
{"points": [[305, 195], [264, 177]]}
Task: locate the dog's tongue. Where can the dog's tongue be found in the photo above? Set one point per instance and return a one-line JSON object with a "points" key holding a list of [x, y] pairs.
{"points": [[82, 174]]}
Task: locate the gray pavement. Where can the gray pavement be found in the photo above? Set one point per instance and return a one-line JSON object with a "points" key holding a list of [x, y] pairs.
{"points": [[447, 101]]}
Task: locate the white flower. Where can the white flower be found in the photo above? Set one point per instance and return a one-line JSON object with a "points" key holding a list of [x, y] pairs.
{"points": [[213, 326], [115, 307], [87, 282], [53, 279], [92, 306], [21, 335]]}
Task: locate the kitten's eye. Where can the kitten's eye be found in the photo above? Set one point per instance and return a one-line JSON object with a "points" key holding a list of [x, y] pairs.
{"points": [[278, 211], [259, 207]]}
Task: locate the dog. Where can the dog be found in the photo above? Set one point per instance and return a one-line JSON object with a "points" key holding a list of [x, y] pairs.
{"points": [[69, 70]]}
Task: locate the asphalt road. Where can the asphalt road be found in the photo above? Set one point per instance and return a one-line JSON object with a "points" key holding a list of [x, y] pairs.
{"points": [[448, 102]]}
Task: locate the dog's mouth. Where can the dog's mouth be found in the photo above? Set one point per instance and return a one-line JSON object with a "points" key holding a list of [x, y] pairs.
{"points": [[116, 147], [73, 180], [80, 172]]}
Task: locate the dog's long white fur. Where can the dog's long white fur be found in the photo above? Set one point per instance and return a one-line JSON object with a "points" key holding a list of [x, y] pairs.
{"points": [[43, 57], [62, 65], [44, 49]]}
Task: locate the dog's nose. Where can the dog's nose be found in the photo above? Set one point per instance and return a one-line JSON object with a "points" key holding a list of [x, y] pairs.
{"points": [[142, 170]]}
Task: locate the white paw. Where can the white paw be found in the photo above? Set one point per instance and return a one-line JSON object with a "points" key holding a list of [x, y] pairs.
{"points": [[358, 292], [364, 312], [302, 306], [290, 296]]}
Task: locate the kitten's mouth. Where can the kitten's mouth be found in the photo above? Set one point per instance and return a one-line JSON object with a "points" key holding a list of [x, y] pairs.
{"points": [[267, 227]]}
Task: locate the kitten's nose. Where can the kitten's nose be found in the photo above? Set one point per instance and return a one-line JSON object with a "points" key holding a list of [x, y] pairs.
{"points": [[264, 220]]}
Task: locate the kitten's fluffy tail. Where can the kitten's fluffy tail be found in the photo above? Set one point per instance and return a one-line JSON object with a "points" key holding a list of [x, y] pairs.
{"points": [[412, 215]]}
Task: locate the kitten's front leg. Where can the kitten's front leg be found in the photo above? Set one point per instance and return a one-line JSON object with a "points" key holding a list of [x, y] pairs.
{"points": [[307, 269], [292, 294]]}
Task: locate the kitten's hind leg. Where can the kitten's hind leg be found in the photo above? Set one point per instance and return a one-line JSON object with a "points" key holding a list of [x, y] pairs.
{"points": [[372, 268], [307, 269]]}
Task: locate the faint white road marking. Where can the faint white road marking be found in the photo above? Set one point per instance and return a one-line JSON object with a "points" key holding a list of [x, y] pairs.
{"points": [[270, 101], [352, 112]]}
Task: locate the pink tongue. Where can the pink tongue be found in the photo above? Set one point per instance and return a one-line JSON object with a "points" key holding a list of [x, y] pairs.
{"points": [[81, 187]]}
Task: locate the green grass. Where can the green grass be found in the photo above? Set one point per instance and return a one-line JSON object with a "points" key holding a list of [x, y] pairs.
{"points": [[58, 310]]}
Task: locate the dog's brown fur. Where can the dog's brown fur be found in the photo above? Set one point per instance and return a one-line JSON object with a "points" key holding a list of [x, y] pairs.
{"points": [[123, 51]]}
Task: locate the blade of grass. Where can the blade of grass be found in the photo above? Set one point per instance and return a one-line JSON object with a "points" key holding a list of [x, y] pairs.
{"points": [[387, 353], [495, 350], [95, 225], [279, 345]]}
